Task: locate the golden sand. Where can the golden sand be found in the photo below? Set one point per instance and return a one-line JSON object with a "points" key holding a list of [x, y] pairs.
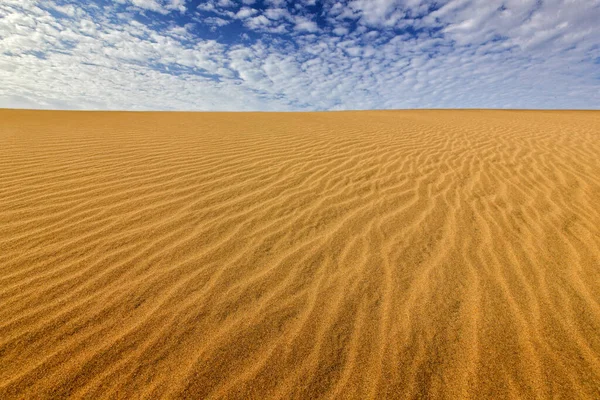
{"points": [[392, 254]]}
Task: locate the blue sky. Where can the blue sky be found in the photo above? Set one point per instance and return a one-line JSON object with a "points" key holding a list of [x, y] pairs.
{"points": [[299, 55]]}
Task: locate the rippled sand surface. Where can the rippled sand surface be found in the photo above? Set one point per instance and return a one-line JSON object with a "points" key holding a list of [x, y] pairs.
{"points": [[392, 254]]}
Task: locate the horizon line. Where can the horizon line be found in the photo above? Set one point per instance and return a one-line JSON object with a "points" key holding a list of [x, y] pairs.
{"points": [[294, 112]]}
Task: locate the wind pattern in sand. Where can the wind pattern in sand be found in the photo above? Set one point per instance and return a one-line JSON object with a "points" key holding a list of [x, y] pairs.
{"points": [[396, 254]]}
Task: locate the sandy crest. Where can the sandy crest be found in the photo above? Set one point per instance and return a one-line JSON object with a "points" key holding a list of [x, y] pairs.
{"points": [[383, 254]]}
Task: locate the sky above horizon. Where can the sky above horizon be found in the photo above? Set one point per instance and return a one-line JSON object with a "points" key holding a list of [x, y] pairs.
{"points": [[229, 55]]}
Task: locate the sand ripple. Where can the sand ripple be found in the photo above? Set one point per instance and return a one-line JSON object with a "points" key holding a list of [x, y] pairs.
{"points": [[410, 254]]}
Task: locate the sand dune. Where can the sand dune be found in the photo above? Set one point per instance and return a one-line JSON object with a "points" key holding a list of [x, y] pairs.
{"points": [[392, 254]]}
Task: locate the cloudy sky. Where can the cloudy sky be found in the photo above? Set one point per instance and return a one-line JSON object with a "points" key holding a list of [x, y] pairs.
{"points": [[299, 55]]}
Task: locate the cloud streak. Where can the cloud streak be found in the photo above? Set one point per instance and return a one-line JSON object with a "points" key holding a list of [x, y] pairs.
{"points": [[310, 55]]}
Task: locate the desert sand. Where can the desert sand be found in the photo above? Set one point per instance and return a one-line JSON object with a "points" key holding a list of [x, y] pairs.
{"points": [[378, 254]]}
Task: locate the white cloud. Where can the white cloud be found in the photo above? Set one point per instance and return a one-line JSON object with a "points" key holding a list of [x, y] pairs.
{"points": [[257, 22], [68, 9], [467, 53], [216, 21], [226, 3], [160, 6], [245, 12], [277, 13], [374, 12], [305, 25], [340, 31]]}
